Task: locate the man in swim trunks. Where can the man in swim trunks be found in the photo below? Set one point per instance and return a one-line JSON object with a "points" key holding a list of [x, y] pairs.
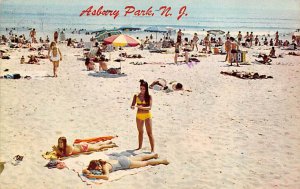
{"points": [[228, 49], [234, 51]]}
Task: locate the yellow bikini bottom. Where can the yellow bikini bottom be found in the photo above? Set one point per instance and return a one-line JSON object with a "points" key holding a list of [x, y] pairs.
{"points": [[143, 116]]}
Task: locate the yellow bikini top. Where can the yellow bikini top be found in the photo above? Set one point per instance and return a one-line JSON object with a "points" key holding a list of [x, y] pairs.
{"points": [[138, 100]]}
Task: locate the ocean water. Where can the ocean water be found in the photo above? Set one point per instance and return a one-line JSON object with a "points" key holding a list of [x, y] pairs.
{"points": [[47, 16]]}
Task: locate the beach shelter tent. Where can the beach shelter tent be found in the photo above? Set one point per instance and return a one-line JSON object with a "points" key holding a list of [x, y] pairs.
{"points": [[122, 41], [101, 35], [129, 28], [216, 32], [156, 30]]}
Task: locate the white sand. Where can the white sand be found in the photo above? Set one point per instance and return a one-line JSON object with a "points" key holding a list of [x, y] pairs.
{"points": [[226, 133]]}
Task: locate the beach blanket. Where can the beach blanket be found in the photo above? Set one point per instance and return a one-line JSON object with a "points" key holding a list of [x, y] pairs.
{"points": [[82, 162], [94, 139]]}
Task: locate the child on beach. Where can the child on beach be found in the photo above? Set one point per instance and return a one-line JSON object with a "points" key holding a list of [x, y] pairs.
{"points": [[89, 65], [272, 53], [143, 102], [100, 169], [55, 57], [63, 149]]}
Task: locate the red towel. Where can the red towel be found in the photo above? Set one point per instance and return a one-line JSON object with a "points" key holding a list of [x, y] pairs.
{"points": [[94, 140]]}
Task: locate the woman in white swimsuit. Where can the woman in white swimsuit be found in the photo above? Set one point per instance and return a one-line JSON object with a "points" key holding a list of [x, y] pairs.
{"points": [[55, 57]]}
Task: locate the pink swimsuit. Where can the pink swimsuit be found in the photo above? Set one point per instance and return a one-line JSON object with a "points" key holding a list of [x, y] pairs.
{"points": [[84, 147]]}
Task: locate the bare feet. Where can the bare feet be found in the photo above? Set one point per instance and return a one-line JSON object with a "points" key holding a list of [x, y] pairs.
{"points": [[165, 162], [155, 156]]}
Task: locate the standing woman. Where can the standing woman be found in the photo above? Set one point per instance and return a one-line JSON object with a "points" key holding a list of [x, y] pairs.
{"points": [[176, 52], [143, 102], [55, 57]]}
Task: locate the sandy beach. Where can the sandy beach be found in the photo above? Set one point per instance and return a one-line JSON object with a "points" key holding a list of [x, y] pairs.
{"points": [[225, 132]]}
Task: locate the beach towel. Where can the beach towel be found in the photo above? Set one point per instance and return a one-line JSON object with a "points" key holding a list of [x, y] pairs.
{"points": [[82, 162], [94, 139]]}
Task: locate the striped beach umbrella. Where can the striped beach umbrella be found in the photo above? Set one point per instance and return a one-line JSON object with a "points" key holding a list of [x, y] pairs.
{"points": [[122, 41]]}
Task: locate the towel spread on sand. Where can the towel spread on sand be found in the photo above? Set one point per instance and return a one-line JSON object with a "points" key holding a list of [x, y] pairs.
{"points": [[94, 139], [82, 162]]}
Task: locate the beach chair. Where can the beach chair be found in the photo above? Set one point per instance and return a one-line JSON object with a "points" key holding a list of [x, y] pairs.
{"points": [[109, 48], [88, 45]]}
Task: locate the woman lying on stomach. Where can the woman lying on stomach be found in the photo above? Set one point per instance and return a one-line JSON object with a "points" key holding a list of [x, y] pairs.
{"points": [[100, 169], [63, 149]]}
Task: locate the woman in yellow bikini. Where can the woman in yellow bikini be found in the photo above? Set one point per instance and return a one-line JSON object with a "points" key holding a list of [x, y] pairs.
{"points": [[143, 102]]}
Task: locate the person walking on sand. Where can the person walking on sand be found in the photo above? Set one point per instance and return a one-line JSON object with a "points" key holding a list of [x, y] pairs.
{"points": [[32, 35], [176, 52], [234, 51], [207, 43], [239, 36], [195, 41], [100, 169], [143, 102], [186, 49], [55, 36], [228, 49], [179, 36], [55, 56]]}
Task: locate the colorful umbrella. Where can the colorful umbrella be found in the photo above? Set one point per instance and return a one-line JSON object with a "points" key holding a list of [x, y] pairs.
{"points": [[122, 41]]}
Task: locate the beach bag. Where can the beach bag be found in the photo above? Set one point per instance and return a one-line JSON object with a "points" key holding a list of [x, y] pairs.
{"points": [[16, 76], [112, 71]]}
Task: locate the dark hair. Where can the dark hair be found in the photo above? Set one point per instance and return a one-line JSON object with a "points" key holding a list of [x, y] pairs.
{"points": [[147, 96], [64, 148], [87, 61], [178, 86], [95, 163]]}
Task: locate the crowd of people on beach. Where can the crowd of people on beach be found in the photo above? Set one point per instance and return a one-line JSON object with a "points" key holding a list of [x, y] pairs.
{"points": [[141, 101]]}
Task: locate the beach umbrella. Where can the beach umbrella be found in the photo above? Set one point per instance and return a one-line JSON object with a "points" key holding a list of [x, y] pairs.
{"points": [[122, 41], [156, 30], [216, 32]]}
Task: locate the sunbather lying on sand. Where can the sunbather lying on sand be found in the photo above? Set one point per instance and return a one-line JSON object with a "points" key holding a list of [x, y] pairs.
{"points": [[63, 149], [161, 84], [265, 60], [100, 169], [33, 60], [294, 54]]}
